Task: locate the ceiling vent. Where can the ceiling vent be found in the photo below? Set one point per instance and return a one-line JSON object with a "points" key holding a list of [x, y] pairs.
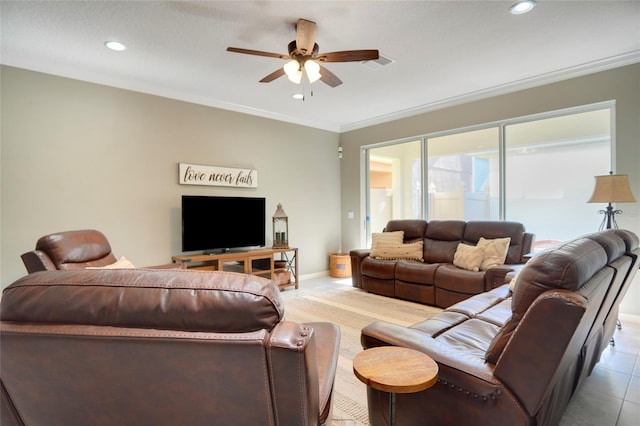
{"points": [[376, 64]]}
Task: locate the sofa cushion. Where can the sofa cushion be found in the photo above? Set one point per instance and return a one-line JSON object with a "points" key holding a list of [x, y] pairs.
{"points": [[498, 314], [471, 337], [165, 299], [416, 272], [451, 278], [441, 240], [469, 257], [440, 323], [389, 251], [378, 268], [495, 251], [412, 228], [630, 239], [610, 242]]}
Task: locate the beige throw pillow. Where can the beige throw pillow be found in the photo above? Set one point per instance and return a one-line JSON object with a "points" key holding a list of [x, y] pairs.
{"points": [[377, 238], [395, 237], [512, 283], [469, 257], [123, 263], [392, 251], [495, 251]]}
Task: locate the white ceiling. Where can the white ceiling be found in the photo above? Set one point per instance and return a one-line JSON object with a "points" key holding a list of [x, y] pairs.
{"points": [[445, 52]]}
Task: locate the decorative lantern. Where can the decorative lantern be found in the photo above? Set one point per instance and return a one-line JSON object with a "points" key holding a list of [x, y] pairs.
{"points": [[280, 228]]}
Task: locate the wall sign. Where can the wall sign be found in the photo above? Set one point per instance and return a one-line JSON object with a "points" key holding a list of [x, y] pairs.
{"points": [[196, 174]]}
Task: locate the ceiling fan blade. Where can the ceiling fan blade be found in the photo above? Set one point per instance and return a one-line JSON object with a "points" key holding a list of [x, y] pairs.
{"points": [[277, 73], [257, 53], [348, 56], [329, 78], [305, 36]]}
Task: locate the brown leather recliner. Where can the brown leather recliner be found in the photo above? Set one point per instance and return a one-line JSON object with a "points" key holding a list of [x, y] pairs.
{"points": [[77, 249], [160, 347]]}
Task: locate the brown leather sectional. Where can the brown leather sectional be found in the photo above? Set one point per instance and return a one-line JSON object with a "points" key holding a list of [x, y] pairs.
{"points": [[516, 358], [437, 281], [160, 347]]}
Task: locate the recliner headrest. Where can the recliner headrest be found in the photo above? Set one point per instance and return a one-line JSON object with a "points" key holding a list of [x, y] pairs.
{"points": [[213, 301], [80, 246]]}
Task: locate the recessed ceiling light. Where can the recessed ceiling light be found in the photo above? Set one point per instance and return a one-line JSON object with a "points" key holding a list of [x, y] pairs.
{"points": [[298, 96], [115, 45], [522, 7]]}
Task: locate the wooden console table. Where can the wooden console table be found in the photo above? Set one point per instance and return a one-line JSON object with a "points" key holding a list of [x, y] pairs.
{"points": [[395, 370], [259, 262]]}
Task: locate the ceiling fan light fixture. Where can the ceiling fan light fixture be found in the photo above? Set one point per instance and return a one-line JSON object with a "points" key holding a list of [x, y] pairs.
{"points": [[521, 7], [313, 71], [293, 71]]}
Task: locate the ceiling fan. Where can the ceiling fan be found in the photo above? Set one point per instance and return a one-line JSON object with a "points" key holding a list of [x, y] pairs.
{"points": [[303, 55]]}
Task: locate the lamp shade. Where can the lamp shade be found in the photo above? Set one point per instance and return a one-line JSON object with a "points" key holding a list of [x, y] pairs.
{"points": [[612, 189]]}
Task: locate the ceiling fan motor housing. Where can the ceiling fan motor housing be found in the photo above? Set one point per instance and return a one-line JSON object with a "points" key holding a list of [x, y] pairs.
{"points": [[299, 56]]}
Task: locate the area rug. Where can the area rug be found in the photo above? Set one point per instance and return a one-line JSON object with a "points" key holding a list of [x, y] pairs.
{"points": [[335, 300]]}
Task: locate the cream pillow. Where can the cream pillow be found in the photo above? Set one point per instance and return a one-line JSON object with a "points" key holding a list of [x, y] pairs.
{"points": [[123, 263], [469, 257], [512, 283], [395, 237], [495, 252], [393, 251]]}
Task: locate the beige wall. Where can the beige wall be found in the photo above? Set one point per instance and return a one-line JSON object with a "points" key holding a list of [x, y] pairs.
{"points": [[621, 84], [79, 155], [76, 155]]}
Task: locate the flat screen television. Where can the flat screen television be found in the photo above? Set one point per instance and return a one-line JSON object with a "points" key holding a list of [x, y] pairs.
{"points": [[213, 223]]}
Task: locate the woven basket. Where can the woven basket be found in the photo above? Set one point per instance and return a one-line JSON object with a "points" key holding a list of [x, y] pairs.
{"points": [[339, 265]]}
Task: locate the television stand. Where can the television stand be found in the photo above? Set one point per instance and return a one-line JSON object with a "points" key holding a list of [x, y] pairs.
{"points": [[277, 264]]}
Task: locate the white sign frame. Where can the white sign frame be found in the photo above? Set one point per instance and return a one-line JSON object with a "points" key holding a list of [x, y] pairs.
{"points": [[198, 174]]}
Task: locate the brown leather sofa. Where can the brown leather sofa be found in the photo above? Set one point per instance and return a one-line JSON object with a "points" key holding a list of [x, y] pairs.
{"points": [[160, 347], [516, 358], [436, 280], [76, 249]]}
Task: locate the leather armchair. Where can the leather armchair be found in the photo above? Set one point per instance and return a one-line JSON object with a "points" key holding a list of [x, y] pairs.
{"points": [[160, 347], [73, 250]]}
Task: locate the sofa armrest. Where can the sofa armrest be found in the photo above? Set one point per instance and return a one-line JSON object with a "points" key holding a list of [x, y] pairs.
{"points": [[303, 363], [495, 277], [357, 255], [527, 246]]}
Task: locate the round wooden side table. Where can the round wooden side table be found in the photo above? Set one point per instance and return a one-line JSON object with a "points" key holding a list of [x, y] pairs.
{"points": [[394, 369]]}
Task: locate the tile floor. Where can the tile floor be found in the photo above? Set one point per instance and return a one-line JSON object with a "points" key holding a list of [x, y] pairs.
{"points": [[611, 395]]}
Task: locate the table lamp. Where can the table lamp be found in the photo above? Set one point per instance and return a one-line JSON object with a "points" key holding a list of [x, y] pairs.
{"points": [[611, 189]]}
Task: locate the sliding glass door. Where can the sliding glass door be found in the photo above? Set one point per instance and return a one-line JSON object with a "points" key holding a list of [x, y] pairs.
{"points": [[464, 175], [536, 170], [550, 167], [394, 182]]}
